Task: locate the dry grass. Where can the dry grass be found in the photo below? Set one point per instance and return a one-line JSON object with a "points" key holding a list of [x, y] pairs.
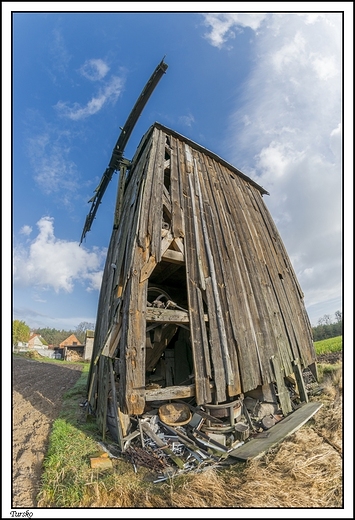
{"points": [[123, 488], [32, 354], [304, 471]]}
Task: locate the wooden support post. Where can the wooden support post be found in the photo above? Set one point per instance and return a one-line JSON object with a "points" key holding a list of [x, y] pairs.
{"points": [[92, 397], [102, 395], [169, 367], [313, 369], [284, 397], [247, 416], [120, 192], [115, 407], [300, 381]]}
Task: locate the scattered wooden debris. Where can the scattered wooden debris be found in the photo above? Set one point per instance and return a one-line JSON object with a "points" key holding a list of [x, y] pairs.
{"points": [[102, 462], [169, 446]]}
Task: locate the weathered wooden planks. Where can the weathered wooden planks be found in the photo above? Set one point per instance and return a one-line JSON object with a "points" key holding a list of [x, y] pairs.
{"points": [[134, 354], [172, 392], [177, 217], [203, 393], [284, 397], [184, 208], [168, 315]]}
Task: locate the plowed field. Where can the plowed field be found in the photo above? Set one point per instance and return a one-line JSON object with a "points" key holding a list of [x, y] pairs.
{"points": [[38, 389]]}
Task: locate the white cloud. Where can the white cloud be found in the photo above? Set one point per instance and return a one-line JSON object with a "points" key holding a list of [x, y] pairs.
{"points": [[94, 279], [49, 155], [94, 69], [335, 139], [108, 93], [51, 263], [38, 320], [187, 120], [221, 25], [286, 134], [60, 56], [311, 18], [325, 66], [26, 230], [290, 52]]}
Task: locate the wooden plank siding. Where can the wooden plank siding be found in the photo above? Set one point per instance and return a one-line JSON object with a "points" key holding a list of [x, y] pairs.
{"points": [[238, 274]]}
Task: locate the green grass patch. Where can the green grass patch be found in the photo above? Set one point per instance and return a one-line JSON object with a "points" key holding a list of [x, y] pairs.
{"points": [[66, 466], [328, 370], [72, 442], [329, 345], [68, 479]]}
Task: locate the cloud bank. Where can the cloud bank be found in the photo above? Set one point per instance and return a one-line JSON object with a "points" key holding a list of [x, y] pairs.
{"points": [[286, 134], [50, 263]]}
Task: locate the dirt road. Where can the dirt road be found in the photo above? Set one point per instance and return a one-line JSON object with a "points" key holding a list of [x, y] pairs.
{"points": [[38, 388]]}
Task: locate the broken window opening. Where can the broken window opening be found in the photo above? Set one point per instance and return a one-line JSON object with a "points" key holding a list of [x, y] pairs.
{"points": [[167, 179], [167, 155], [168, 346], [166, 222], [174, 366]]}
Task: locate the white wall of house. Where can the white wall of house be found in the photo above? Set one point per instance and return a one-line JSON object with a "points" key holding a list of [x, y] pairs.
{"points": [[35, 342]]}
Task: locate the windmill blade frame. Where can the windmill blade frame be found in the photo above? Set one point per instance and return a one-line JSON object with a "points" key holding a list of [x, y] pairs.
{"points": [[118, 150]]}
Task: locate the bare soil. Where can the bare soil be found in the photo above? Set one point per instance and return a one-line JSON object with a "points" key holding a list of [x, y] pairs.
{"points": [[38, 389], [330, 357]]}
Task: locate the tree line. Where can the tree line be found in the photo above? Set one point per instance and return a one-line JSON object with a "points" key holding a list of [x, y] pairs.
{"points": [[49, 336], [328, 327]]}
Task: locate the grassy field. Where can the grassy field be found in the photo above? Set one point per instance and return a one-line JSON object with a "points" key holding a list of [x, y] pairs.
{"points": [[305, 470], [329, 345]]}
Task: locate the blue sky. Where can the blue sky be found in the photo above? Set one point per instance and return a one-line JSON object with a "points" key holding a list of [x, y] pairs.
{"points": [[262, 90]]}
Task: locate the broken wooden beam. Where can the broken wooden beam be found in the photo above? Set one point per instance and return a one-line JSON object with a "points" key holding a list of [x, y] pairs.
{"points": [[154, 314], [284, 396], [166, 315], [172, 392], [102, 462], [257, 447], [300, 381]]}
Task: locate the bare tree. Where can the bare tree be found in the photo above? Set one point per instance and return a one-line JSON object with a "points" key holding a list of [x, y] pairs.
{"points": [[325, 320], [82, 328], [338, 316]]}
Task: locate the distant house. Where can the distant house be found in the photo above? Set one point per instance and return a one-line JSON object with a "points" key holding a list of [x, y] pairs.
{"points": [[71, 341], [35, 341], [20, 345], [71, 347]]}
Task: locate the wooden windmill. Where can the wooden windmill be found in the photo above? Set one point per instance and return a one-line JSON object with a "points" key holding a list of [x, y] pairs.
{"points": [[199, 300]]}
